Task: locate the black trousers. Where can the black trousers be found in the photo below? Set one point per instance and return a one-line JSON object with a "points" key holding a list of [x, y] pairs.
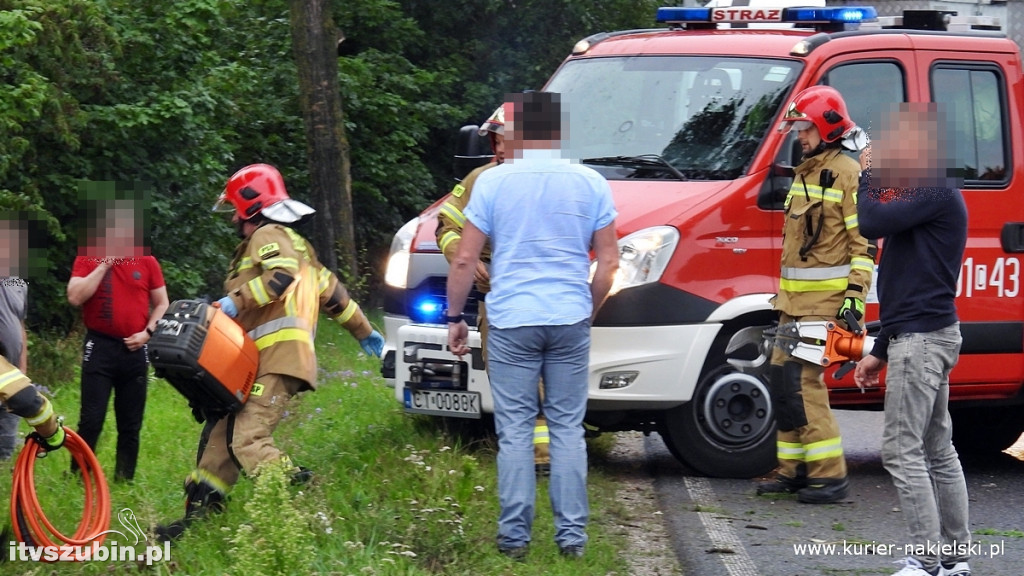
{"points": [[108, 366]]}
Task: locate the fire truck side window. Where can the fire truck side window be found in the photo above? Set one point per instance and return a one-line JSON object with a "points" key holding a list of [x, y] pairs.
{"points": [[867, 88], [974, 97]]}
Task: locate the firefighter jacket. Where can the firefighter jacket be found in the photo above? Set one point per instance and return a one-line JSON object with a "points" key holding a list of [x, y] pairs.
{"points": [[279, 288], [824, 257], [21, 398], [451, 220]]}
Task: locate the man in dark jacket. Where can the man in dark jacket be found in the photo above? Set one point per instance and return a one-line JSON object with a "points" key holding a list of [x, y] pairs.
{"points": [[920, 214]]}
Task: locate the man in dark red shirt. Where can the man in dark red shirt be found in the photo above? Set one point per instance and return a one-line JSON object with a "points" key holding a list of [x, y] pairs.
{"points": [[121, 290]]}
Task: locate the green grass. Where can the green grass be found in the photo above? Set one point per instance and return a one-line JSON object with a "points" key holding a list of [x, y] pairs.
{"points": [[393, 493]]}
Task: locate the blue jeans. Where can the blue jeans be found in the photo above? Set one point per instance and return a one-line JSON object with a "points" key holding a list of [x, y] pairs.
{"points": [[516, 360], [917, 446]]}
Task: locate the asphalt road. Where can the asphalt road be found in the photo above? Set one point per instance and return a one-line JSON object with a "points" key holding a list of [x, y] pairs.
{"points": [[718, 527]]}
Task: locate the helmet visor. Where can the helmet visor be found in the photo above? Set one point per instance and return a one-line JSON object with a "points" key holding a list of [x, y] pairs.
{"points": [[787, 125], [222, 205]]}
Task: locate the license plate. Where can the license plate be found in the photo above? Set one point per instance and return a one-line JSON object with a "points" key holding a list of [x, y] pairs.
{"points": [[443, 403]]}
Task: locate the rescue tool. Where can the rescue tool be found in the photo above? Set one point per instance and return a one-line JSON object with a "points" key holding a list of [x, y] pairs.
{"points": [[825, 343], [206, 356]]}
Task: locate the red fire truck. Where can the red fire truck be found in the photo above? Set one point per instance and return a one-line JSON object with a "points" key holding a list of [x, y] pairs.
{"points": [[682, 122]]}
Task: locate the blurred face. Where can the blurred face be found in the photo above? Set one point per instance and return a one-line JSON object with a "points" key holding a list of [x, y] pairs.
{"points": [[498, 145], [11, 249], [117, 235], [244, 228], [809, 138], [908, 150]]}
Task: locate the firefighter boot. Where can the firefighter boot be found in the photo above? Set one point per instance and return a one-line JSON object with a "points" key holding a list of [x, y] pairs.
{"points": [[823, 490], [201, 498], [784, 484]]}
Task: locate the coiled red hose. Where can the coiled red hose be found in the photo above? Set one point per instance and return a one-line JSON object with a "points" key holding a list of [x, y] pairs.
{"points": [[30, 522]]}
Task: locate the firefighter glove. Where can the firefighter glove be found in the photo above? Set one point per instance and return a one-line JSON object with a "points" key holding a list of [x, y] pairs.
{"points": [[851, 304], [373, 344], [228, 306], [49, 443]]}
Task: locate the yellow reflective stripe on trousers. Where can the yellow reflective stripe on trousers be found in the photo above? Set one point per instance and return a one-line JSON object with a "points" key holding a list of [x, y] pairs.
{"points": [[831, 448], [790, 451], [454, 214], [540, 435], [202, 476], [447, 238], [44, 414]]}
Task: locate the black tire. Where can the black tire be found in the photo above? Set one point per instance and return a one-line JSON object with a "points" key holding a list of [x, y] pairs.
{"points": [[728, 429], [980, 432]]}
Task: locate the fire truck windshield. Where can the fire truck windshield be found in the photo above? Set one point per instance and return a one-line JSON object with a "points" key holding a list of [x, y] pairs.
{"points": [[703, 115]]}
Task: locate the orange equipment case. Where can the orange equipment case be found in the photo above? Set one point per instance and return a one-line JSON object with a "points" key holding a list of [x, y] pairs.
{"points": [[205, 355]]}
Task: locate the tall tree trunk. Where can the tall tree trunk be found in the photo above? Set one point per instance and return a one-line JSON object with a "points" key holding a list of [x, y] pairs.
{"points": [[314, 42]]}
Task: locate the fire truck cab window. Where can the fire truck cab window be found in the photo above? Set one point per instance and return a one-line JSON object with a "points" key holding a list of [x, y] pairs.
{"points": [[974, 98]]}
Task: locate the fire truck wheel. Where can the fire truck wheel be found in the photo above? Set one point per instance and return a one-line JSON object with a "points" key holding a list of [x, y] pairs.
{"points": [[727, 430]]}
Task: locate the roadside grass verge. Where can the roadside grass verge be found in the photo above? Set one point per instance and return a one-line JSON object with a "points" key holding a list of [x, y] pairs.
{"points": [[393, 494]]}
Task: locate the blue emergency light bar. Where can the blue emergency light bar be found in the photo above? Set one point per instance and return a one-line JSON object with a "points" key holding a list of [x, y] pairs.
{"points": [[829, 16]]}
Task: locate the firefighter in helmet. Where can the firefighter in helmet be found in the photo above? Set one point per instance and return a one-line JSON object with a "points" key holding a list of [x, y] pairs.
{"points": [[450, 221], [276, 289], [826, 271]]}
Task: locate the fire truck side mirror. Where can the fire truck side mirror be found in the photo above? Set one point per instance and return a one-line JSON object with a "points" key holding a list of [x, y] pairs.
{"points": [[471, 151]]}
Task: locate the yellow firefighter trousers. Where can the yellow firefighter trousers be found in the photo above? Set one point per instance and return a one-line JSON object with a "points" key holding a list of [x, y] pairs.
{"points": [[808, 434], [541, 439], [244, 440]]}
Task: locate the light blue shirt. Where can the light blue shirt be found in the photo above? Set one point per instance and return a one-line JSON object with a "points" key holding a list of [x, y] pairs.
{"points": [[540, 212]]}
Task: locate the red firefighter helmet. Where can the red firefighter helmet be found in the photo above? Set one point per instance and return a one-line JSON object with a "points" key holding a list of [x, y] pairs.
{"points": [[259, 189], [823, 107]]}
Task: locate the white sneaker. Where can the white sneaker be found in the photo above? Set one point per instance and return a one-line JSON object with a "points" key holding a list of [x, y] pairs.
{"points": [[911, 567], [958, 569]]}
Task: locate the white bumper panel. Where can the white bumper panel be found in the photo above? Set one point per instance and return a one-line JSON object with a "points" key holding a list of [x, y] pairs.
{"points": [[391, 327], [668, 360], [434, 339]]}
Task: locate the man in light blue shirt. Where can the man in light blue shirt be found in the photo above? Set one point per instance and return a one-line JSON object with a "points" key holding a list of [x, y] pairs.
{"points": [[543, 215]]}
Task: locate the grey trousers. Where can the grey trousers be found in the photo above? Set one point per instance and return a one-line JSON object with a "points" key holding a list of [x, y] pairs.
{"points": [[917, 446]]}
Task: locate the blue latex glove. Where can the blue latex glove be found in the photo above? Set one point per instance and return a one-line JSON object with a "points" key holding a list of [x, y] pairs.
{"points": [[373, 344], [228, 306]]}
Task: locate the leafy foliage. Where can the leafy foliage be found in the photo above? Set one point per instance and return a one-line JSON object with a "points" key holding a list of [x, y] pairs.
{"points": [[181, 94]]}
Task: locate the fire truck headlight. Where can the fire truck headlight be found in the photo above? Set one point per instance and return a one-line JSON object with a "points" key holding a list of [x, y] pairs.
{"points": [[643, 257], [397, 273]]}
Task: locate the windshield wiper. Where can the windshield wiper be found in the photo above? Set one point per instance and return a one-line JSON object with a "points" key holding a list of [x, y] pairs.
{"points": [[652, 161]]}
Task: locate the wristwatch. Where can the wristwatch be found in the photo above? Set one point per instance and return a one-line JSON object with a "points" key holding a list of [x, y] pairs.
{"points": [[454, 319]]}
